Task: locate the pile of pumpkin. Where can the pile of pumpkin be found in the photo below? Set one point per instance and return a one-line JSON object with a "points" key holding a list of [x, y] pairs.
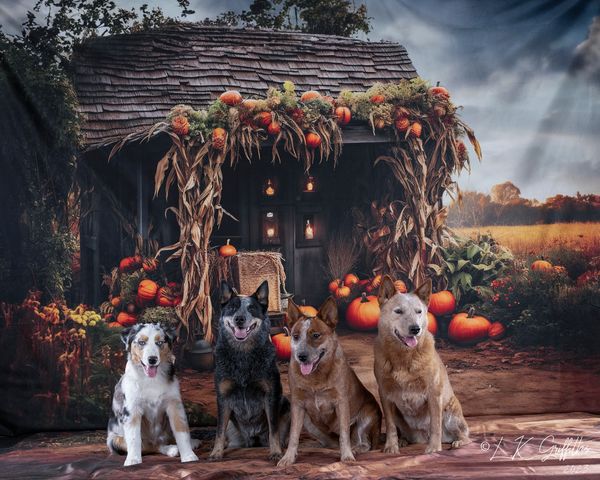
{"points": [[140, 284]]}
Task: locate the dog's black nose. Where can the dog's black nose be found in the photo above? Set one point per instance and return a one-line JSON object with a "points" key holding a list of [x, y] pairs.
{"points": [[302, 357], [414, 329], [239, 321], [152, 360]]}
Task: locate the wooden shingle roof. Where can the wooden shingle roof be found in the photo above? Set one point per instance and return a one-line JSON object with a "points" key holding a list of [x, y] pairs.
{"points": [[127, 82]]}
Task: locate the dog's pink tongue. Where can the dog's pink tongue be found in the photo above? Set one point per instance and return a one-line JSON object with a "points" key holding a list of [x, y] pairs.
{"points": [[306, 368], [410, 341], [240, 333], [151, 371]]}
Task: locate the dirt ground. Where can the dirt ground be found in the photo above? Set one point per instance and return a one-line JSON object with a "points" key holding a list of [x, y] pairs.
{"points": [[489, 379]]}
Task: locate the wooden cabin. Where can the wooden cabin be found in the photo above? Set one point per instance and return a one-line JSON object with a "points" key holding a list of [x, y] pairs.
{"points": [[126, 83]]}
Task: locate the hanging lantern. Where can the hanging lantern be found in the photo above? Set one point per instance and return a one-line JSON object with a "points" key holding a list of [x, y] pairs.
{"points": [[270, 228], [309, 230], [310, 184], [269, 188]]}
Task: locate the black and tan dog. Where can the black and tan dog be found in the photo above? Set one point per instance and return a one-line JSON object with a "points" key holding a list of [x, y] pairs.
{"points": [[327, 397], [414, 388], [251, 409]]}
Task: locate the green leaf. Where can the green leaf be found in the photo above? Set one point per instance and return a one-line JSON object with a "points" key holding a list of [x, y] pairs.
{"points": [[472, 251], [461, 264]]}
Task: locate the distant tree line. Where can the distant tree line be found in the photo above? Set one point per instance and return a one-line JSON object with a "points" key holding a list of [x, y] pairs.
{"points": [[505, 206]]}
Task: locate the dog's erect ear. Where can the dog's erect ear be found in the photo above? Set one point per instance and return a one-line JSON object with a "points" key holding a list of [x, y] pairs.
{"points": [[128, 334], [386, 290], [262, 294], [328, 312], [424, 291], [227, 293], [170, 334], [293, 313]]}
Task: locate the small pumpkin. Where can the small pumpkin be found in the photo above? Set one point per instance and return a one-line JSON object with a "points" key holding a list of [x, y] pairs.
{"points": [[150, 265], [333, 285], [400, 286], [147, 290], [313, 140], [432, 324], [274, 128], [439, 92], [416, 129], [377, 99], [363, 313], [227, 250], [467, 328], [283, 345], [342, 292], [308, 310], [128, 264], [541, 266], [442, 303], [343, 115], [350, 280], [310, 95], [264, 119], [115, 301], [125, 319], [231, 97], [402, 124], [497, 331]]}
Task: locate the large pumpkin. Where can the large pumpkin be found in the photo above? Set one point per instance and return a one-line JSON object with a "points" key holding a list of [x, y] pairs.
{"points": [[442, 303], [227, 250], [147, 290], [283, 346], [126, 319], [432, 325], [343, 115], [496, 331], [350, 280], [231, 97], [468, 328], [363, 313], [541, 266]]}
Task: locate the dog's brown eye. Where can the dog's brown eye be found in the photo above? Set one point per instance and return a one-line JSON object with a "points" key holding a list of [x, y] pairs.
{"points": [[295, 336], [419, 311], [316, 335], [399, 311]]}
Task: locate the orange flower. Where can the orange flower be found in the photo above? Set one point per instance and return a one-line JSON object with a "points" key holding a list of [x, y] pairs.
{"points": [[180, 125]]}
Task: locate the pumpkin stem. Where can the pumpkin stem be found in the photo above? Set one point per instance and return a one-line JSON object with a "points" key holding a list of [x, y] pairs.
{"points": [[228, 240], [364, 298], [471, 312], [437, 84], [304, 302]]}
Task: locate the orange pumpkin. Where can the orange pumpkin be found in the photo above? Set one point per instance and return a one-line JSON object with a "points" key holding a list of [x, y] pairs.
{"points": [[432, 325], [264, 119], [342, 292], [125, 319], [541, 266], [283, 346], [147, 290], [128, 264], [333, 285], [115, 301], [274, 128], [114, 325], [496, 331], [402, 124], [376, 281], [308, 310], [343, 115], [363, 313], [415, 129], [310, 95], [377, 99], [231, 97], [164, 297], [468, 328], [313, 140], [227, 250], [150, 265], [440, 92], [400, 286], [442, 303], [350, 280]]}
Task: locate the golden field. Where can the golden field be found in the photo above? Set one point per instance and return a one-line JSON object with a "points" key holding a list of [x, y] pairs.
{"points": [[538, 239]]}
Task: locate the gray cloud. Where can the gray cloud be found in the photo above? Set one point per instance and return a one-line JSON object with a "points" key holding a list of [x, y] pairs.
{"points": [[587, 54]]}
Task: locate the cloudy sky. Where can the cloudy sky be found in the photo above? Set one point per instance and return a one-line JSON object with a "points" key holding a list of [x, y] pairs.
{"points": [[526, 71]]}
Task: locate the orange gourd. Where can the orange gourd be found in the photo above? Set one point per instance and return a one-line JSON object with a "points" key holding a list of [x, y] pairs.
{"points": [[313, 140], [541, 266], [264, 119], [377, 99], [343, 115], [231, 97], [432, 325], [227, 250], [333, 285], [115, 301], [400, 286], [496, 331], [442, 303], [342, 292], [147, 290], [283, 345], [274, 128], [128, 264], [440, 92], [468, 328], [308, 310], [350, 280], [310, 95], [125, 319], [363, 313]]}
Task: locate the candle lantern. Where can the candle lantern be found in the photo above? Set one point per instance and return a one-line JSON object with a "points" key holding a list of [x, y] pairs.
{"points": [[310, 184], [269, 188], [270, 224], [309, 227]]}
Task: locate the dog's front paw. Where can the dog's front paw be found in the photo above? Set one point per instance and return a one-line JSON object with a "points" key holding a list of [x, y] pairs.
{"points": [[391, 448], [215, 456], [286, 460], [433, 448], [461, 442], [275, 456], [402, 442], [132, 460], [190, 457], [347, 457]]}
